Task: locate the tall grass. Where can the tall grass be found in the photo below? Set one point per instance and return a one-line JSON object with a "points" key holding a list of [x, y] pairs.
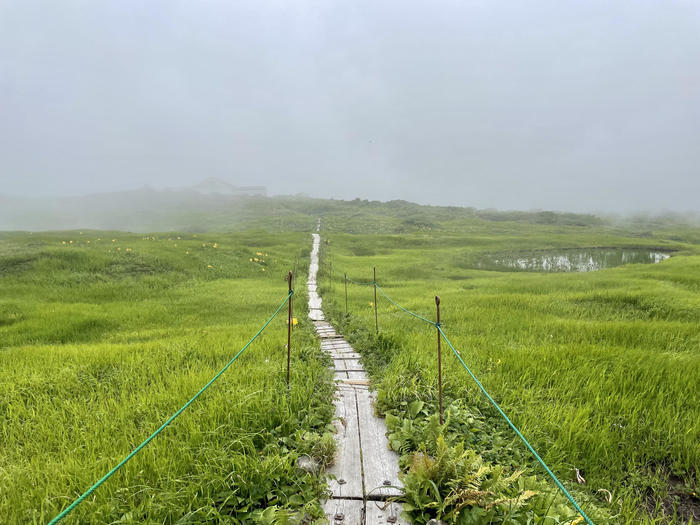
{"points": [[100, 342]]}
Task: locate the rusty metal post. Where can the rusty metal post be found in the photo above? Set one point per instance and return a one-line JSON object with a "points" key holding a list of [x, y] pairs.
{"points": [[289, 328], [439, 356], [346, 292], [376, 319]]}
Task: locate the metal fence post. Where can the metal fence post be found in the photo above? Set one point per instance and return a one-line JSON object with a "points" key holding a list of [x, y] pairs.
{"points": [[346, 292], [439, 356], [376, 320], [289, 328]]}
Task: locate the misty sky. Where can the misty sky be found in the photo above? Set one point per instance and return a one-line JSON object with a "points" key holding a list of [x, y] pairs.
{"points": [[568, 105]]}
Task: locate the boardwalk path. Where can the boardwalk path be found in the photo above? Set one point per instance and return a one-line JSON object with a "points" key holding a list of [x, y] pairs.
{"points": [[366, 471]]}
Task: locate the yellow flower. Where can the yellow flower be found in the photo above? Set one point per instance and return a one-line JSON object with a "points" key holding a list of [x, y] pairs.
{"points": [[88, 242], [114, 240], [187, 252], [179, 238], [119, 249], [63, 242], [128, 249], [256, 259], [250, 260], [204, 245], [258, 253], [498, 362], [215, 245], [209, 266], [71, 242], [263, 269], [371, 303]]}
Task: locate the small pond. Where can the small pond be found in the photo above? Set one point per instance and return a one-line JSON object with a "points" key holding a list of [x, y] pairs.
{"points": [[569, 260]]}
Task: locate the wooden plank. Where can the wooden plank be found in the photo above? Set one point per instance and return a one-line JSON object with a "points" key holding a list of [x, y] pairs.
{"points": [[381, 465], [361, 382], [348, 376], [347, 465], [354, 375], [347, 364], [379, 513], [343, 352], [352, 511], [336, 344]]}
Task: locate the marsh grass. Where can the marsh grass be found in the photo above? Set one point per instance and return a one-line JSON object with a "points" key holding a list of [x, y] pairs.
{"points": [[101, 341]]}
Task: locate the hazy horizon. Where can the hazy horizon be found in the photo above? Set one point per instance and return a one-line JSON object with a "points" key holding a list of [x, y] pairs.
{"points": [[568, 106]]}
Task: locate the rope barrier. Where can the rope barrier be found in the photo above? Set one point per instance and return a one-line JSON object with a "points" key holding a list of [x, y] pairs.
{"points": [[493, 402], [390, 299], [109, 474], [517, 432], [405, 309], [370, 283]]}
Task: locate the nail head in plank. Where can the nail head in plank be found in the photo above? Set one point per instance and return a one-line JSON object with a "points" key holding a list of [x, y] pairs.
{"points": [[351, 510]]}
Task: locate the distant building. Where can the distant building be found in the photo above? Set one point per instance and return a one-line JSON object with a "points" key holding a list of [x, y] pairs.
{"points": [[214, 186]]}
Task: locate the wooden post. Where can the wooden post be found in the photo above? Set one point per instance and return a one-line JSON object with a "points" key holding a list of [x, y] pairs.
{"points": [[289, 329], [346, 293], [376, 320], [439, 356]]}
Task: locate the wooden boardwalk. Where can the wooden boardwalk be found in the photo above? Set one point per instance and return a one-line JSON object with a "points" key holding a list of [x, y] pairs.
{"points": [[365, 472]]}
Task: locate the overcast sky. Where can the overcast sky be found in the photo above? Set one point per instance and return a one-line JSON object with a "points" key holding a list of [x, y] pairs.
{"points": [[567, 105]]}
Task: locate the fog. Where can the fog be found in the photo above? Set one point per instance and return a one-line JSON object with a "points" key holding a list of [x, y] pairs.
{"points": [[565, 105]]}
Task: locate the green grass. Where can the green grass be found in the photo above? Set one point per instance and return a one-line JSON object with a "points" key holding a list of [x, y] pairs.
{"points": [[599, 370], [104, 337], [101, 341]]}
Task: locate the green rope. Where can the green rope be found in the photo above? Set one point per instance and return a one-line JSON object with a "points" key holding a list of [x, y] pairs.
{"points": [[360, 283], [391, 300], [405, 309], [109, 474], [481, 387], [515, 429]]}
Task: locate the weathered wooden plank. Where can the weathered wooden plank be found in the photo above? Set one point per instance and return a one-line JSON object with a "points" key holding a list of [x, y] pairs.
{"points": [[380, 512], [316, 314], [342, 352], [347, 467], [356, 382], [352, 377], [381, 465], [349, 369], [347, 364], [349, 512], [334, 344]]}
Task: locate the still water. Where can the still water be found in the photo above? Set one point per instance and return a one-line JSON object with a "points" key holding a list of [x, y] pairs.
{"points": [[574, 260]]}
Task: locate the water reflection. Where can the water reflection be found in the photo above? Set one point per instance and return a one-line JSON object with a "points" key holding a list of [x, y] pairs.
{"points": [[578, 260]]}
